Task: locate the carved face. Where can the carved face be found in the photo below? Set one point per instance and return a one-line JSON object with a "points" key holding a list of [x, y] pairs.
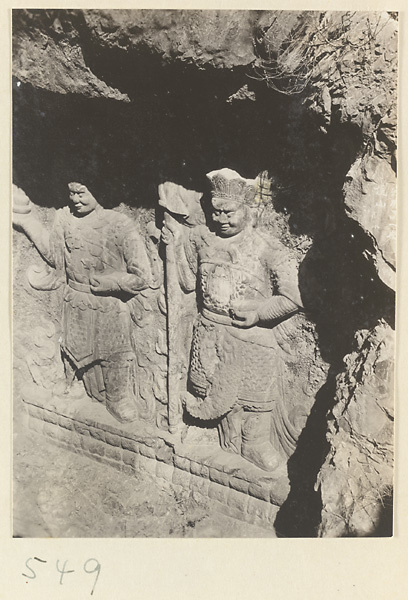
{"points": [[229, 217], [81, 198]]}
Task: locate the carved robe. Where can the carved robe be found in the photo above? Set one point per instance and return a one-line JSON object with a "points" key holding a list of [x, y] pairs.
{"points": [[229, 365], [96, 327]]}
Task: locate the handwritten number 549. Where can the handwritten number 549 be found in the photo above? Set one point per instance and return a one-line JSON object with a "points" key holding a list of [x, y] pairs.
{"points": [[90, 566]]}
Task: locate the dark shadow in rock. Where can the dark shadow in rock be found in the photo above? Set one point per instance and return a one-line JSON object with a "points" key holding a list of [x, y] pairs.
{"points": [[342, 295], [200, 423], [341, 290], [300, 514], [310, 172], [177, 132]]}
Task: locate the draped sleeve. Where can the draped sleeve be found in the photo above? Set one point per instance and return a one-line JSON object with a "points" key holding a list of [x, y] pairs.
{"points": [[138, 274]]}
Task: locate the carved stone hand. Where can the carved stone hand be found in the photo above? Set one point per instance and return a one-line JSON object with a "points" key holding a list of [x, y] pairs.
{"points": [[104, 283], [244, 318], [170, 232], [21, 215]]}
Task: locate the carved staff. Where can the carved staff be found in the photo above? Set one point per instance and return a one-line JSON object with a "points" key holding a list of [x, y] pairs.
{"points": [[179, 204]]}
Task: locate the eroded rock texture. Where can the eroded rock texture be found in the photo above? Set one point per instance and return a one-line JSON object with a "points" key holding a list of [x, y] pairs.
{"points": [[357, 476], [155, 96]]}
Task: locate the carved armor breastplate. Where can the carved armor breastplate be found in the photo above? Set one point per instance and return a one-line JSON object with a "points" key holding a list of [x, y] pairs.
{"points": [[231, 271], [94, 326], [90, 247]]}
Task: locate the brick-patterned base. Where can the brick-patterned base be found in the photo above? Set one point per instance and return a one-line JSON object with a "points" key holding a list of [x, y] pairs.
{"points": [[227, 481]]}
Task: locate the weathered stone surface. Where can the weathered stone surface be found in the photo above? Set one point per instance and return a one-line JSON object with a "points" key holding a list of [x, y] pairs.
{"points": [[218, 492], [259, 511], [165, 454], [100, 258], [182, 463], [200, 485], [350, 64], [219, 477], [199, 469], [257, 491], [147, 451], [356, 479], [370, 195], [147, 464], [54, 50], [239, 484], [164, 471], [219, 486], [238, 501], [112, 452], [68, 424], [51, 57], [38, 426], [236, 362], [181, 478], [66, 436], [218, 38], [354, 76], [130, 445], [366, 95], [95, 447]]}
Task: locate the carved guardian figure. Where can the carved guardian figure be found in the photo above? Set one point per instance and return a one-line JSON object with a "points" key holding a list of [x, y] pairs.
{"points": [[247, 289], [100, 257]]}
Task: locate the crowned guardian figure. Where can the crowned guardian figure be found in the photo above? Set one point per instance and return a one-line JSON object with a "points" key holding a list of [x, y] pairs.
{"points": [[247, 288]]}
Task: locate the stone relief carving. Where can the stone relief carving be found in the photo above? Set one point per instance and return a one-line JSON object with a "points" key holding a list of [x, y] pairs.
{"points": [[100, 257], [37, 355], [247, 290], [148, 313], [205, 333], [332, 154], [180, 206]]}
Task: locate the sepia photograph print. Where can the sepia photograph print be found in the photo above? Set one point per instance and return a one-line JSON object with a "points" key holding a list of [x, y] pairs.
{"points": [[204, 216]]}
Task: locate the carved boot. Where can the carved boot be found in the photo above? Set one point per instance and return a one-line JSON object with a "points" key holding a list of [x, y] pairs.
{"points": [[256, 446], [229, 430], [93, 381], [120, 397], [124, 410]]}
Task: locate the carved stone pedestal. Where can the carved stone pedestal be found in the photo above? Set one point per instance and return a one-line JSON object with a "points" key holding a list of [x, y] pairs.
{"points": [[229, 483]]}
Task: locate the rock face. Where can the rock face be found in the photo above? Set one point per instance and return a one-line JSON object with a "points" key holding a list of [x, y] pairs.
{"points": [[352, 78], [219, 38], [58, 50], [47, 53], [309, 96], [356, 479], [370, 199]]}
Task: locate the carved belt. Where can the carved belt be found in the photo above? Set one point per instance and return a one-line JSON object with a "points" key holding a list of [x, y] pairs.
{"points": [[79, 287], [216, 318]]}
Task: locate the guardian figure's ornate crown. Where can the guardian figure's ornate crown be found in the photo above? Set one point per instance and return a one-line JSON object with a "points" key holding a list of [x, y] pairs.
{"points": [[229, 184]]}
